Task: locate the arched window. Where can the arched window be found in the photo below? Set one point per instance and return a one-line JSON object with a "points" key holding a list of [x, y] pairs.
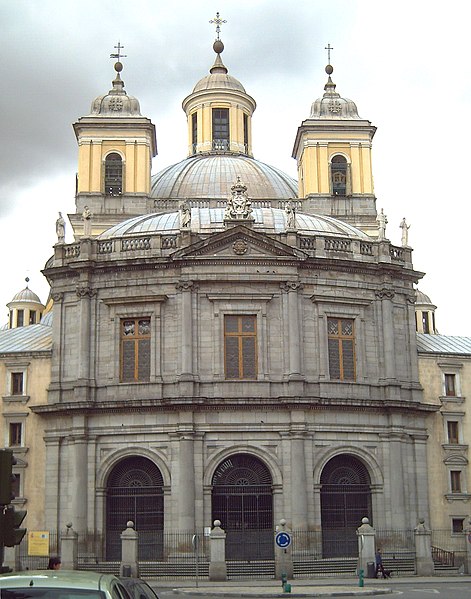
{"points": [[242, 499], [113, 175], [345, 500], [339, 174], [135, 492]]}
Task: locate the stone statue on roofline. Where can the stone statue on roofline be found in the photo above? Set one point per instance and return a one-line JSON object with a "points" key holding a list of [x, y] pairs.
{"points": [[290, 215], [185, 215], [382, 222], [87, 221], [60, 229], [239, 206], [405, 233]]}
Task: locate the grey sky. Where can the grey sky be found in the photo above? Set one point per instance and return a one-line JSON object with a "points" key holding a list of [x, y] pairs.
{"points": [[406, 65]]}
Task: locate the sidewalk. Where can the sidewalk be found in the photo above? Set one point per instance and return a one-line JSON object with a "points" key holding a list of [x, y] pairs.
{"points": [[319, 587]]}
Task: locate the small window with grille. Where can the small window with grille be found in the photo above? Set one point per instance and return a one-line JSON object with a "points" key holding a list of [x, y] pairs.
{"points": [[457, 525], [341, 342], [113, 175], [240, 346], [135, 350]]}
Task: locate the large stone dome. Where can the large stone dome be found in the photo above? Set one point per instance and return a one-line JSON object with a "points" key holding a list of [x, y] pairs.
{"points": [[211, 176], [211, 220]]}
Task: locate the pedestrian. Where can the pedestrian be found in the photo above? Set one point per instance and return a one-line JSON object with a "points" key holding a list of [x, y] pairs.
{"points": [[379, 564], [54, 563]]}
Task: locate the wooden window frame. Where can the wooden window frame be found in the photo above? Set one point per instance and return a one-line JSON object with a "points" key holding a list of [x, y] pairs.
{"points": [[136, 338], [340, 337], [456, 483], [450, 380], [15, 434], [457, 525], [453, 432], [240, 334], [17, 386]]}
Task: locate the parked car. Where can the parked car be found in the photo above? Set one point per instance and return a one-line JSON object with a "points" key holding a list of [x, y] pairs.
{"points": [[61, 584], [138, 589]]}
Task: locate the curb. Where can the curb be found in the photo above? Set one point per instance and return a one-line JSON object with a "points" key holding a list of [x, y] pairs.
{"points": [[313, 592]]}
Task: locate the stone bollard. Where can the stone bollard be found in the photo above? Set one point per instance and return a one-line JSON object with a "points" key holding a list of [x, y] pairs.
{"points": [[129, 565], [217, 553], [69, 548], [283, 554], [423, 550], [366, 545]]}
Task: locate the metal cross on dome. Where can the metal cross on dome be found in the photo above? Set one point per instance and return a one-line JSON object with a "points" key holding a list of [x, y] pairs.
{"points": [[118, 54], [218, 22], [328, 48]]}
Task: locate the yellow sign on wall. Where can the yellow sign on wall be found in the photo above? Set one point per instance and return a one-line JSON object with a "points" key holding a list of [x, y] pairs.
{"points": [[38, 542]]}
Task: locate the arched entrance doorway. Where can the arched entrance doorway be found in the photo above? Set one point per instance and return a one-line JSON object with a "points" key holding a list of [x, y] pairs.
{"points": [[345, 500], [135, 492], [242, 500]]}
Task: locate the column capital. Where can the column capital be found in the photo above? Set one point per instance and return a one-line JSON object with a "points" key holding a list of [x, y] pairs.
{"points": [[291, 286], [186, 286]]}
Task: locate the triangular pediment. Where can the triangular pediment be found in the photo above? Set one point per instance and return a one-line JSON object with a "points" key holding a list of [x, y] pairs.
{"points": [[239, 242]]}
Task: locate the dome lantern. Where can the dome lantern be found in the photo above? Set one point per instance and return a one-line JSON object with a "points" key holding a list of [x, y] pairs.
{"points": [[219, 111]]}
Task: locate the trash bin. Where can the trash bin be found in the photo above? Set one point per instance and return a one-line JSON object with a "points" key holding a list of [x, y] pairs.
{"points": [[370, 570], [126, 571]]}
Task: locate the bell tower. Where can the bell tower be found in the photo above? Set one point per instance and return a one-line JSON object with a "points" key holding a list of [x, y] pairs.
{"points": [[116, 146], [219, 111], [333, 154]]}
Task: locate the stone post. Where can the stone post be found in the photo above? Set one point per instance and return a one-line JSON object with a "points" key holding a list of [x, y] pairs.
{"points": [[217, 553], [283, 555], [467, 564], [129, 565], [366, 545], [69, 548], [423, 550]]}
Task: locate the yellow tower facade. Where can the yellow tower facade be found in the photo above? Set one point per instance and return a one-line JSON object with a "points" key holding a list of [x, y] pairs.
{"points": [[219, 112], [333, 154], [116, 146]]}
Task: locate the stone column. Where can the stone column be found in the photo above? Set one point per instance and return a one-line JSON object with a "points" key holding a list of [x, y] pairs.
{"points": [[468, 548], [294, 342], [79, 482], [423, 550], [217, 553], [386, 296], [53, 477], [69, 548], [283, 556], [186, 288], [85, 293], [186, 483], [366, 545], [298, 483], [397, 464], [129, 539]]}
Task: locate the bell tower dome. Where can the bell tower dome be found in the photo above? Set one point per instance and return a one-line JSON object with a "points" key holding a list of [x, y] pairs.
{"points": [[116, 147], [333, 154]]}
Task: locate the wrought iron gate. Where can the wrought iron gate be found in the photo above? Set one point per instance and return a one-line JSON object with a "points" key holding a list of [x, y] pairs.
{"points": [[242, 499], [135, 492], [345, 500]]}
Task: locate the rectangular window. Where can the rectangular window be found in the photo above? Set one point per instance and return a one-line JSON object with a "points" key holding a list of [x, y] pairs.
{"points": [[15, 433], [194, 130], [17, 383], [32, 317], [240, 347], [220, 128], [16, 485], [457, 524], [246, 132], [455, 481], [341, 341], [450, 385], [425, 323], [453, 432], [135, 350], [20, 318]]}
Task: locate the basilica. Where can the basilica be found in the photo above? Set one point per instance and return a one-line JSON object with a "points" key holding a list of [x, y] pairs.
{"points": [[226, 342]]}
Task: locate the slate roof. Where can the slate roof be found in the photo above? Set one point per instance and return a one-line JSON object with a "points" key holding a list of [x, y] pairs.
{"points": [[33, 338], [443, 344]]}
